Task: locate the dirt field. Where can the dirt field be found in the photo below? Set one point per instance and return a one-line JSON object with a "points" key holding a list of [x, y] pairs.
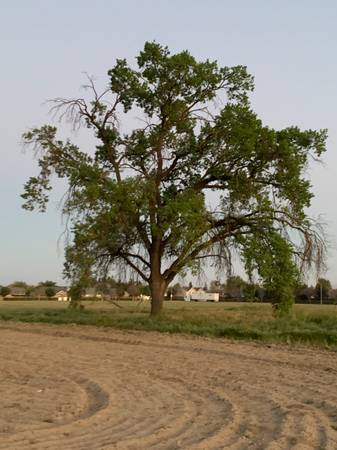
{"points": [[80, 388]]}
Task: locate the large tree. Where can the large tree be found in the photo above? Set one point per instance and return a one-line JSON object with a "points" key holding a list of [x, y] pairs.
{"points": [[197, 177]]}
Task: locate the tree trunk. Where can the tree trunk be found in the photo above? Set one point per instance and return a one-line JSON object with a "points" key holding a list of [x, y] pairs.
{"points": [[157, 286], [157, 283]]}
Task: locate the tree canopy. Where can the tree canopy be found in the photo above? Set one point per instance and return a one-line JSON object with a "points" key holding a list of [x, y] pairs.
{"points": [[50, 291], [322, 289], [4, 290], [47, 283], [198, 177]]}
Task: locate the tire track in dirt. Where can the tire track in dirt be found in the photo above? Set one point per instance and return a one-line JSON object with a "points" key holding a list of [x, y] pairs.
{"points": [[82, 388]]}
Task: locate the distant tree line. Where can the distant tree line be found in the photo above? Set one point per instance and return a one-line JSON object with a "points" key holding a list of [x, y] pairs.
{"points": [[50, 288], [235, 287]]}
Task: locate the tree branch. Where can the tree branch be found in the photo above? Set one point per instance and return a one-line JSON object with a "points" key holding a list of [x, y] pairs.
{"points": [[134, 267], [134, 255]]}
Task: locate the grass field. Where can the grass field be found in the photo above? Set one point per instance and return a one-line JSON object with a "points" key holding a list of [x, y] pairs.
{"points": [[314, 324]]}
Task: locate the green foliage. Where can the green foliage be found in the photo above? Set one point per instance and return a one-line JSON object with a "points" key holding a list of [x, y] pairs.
{"points": [[235, 281], [145, 290], [4, 291], [322, 289], [50, 292], [142, 199], [47, 283], [271, 257], [75, 295], [235, 321]]}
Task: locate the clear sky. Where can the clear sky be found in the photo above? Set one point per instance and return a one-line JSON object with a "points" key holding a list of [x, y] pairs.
{"points": [[289, 46]]}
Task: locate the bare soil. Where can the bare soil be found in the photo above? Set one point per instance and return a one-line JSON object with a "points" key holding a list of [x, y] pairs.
{"points": [[83, 388]]}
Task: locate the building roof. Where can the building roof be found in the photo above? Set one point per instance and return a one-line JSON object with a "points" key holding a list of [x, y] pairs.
{"points": [[17, 291], [61, 294], [193, 290]]}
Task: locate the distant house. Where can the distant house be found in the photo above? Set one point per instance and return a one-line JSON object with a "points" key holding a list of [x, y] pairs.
{"points": [[200, 295], [92, 293], [194, 290], [60, 288], [61, 296], [306, 294], [16, 292]]}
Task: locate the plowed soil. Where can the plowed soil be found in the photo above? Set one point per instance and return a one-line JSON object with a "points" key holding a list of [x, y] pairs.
{"points": [[82, 388]]}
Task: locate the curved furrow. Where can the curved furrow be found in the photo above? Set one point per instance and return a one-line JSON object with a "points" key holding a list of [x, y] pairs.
{"points": [[302, 425], [85, 389], [184, 427], [155, 428], [96, 399]]}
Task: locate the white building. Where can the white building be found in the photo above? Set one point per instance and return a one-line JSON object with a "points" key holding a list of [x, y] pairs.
{"points": [[200, 295]]}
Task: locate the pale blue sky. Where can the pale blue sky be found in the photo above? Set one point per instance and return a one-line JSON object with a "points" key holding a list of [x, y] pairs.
{"points": [[289, 46]]}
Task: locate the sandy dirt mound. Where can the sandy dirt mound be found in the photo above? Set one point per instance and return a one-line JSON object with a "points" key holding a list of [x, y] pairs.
{"points": [[81, 388]]}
